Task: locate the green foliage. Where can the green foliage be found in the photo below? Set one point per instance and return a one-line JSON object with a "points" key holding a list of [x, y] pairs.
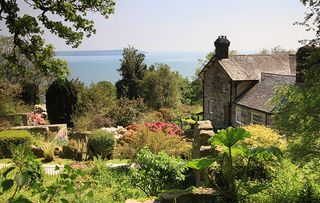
{"points": [[95, 99], [160, 87], [297, 107], [12, 137], [277, 50], [113, 184], [125, 111], [30, 93], [312, 18], [227, 142], [200, 164], [27, 29], [133, 141], [61, 101], [93, 103], [291, 184], [157, 172], [101, 143], [132, 71], [262, 136], [25, 173]]}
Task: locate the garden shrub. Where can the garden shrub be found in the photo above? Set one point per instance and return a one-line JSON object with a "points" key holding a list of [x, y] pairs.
{"points": [[101, 143], [158, 172], [117, 181], [140, 136], [125, 111], [12, 137], [49, 152], [61, 101], [170, 129], [263, 136]]}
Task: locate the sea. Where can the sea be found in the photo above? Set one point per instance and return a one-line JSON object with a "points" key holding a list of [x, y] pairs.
{"points": [[94, 66]]}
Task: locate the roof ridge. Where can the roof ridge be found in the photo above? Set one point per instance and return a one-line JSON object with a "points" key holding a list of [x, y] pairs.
{"points": [[266, 73], [287, 54]]}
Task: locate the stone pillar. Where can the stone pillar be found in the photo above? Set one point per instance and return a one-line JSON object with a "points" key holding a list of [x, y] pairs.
{"points": [[203, 130]]}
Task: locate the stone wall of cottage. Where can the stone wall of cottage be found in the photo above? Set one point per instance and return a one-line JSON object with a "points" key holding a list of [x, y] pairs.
{"points": [[217, 87], [218, 90]]}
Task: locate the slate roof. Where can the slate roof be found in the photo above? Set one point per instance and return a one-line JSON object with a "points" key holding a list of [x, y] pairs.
{"points": [[250, 67], [260, 95]]}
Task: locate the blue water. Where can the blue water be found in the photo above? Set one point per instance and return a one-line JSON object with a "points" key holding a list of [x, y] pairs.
{"points": [[94, 66]]}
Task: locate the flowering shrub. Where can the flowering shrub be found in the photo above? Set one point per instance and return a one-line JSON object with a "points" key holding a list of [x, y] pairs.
{"points": [[170, 129], [36, 119], [138, 136]]}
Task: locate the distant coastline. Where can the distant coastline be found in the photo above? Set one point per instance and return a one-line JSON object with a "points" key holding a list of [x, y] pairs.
{"points": [[92, 53]]}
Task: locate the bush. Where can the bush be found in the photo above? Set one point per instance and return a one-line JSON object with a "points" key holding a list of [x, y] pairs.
{"points": [[292, 184], [12, 137], [263, 136], [101, 143], [61, 101], [170, 129], [113, 184], [49, 152], [157, 172], [126, 112], [140, 136]]}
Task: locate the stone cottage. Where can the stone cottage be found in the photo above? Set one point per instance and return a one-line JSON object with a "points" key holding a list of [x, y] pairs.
{"points": [[237, 89]]}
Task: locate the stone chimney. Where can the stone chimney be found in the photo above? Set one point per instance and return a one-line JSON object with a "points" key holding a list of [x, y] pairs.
{"points": [[222, 47]]}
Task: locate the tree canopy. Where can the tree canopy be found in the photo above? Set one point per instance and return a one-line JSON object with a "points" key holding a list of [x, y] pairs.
{"points": [[160, 87], [27, 28], [132, 71], [312, 18]]}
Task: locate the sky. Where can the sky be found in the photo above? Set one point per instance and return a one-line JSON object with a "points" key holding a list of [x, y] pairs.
{"points": [[193, 25]]}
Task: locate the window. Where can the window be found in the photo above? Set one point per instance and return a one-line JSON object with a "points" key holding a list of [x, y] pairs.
{"points": [[241, 115], [256, 118]]}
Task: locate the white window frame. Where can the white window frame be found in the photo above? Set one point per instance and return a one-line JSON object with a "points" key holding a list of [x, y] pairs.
{"points": [[239, 113], [256, 114]]}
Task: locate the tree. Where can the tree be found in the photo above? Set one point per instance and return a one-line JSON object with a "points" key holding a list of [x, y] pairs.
{"points": [[27, 29], [132, 71], [160, 87], [297, 106], [277, 50], [61, 102], [98, 98], [22, 72], [209, 56], [312, 18]]}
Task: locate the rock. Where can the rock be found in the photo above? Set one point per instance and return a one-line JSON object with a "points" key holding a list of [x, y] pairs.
{"points": [[70, 152], [204, 135], [204, 125], [197, 195], [58, 151], [206, 151], [38, 151], [118, 132]]}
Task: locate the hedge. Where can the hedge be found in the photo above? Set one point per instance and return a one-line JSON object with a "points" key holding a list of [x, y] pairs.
{"points": [[12, 137]]}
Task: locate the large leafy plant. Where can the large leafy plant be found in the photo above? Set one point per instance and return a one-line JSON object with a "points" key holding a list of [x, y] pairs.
{"points": [[157, 172], [227, 142]]}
